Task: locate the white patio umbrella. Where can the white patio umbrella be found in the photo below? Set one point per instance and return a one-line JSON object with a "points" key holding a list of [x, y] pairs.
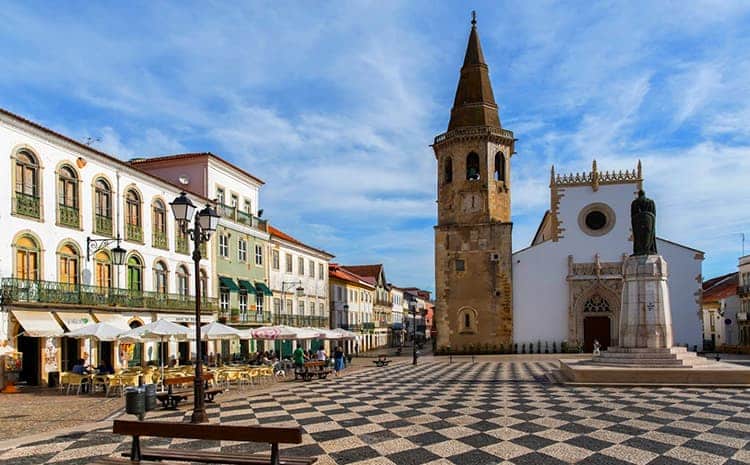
{"points": [[344, 333], [218, 331], [99, 331], [323, 333], [157, 331]]}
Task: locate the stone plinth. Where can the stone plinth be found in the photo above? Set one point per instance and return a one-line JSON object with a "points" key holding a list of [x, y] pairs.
{"points": [[645, 314]]}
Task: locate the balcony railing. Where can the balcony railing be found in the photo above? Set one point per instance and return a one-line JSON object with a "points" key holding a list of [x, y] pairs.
{"points": [[181, 245], [159, 239], [133, 232], [28, 205], [235, 214], [51, 292], [250, 317], [368, 326], [353, 327], [68, 216], [301, 321], [103, 225], [743, 291]]}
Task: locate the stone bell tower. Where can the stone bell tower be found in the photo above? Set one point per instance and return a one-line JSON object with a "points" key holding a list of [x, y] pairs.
{"points": [[474, 304]]}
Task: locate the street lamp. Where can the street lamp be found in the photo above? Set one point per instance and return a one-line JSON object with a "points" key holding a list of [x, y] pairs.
{"points": [[204, 225], [413, 310], [118, 253]]}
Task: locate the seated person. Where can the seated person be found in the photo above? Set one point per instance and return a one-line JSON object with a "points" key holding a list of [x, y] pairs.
{"points": [[80, 367], [105, 368]]}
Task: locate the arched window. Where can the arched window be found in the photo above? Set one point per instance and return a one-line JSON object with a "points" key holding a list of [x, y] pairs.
{"points": [[472, 167], [133, 230], [102, 269], [67, 191], [204, 284], [135, 273], [27, 258], [596, 304], [27, 185], [160, 225], [160, 277], [102, 207], [499, 166], [448, 171], [467, 320], [183, 281], [67, 259]]}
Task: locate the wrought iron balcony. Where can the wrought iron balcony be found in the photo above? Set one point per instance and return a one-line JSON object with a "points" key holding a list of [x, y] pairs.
{"points": [[159, 239], [235, 214], [181, 245], [68, 216], [301, 321], [103, 225], [133, 232], [51, 292], [28, 205], [249, 317]]}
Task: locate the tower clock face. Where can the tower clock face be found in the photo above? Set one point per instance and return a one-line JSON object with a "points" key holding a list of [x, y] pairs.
{"points": [[471, 202]]}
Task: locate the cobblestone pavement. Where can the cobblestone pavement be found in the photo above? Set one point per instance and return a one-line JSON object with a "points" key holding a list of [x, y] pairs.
{"points": [[462, 413]]}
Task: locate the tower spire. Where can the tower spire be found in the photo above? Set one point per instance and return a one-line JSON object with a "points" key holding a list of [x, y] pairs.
{"points": [[474, 104]]}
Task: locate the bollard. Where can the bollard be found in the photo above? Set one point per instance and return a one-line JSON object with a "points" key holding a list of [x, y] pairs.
{"points": [[135, 402], [150, 397]]}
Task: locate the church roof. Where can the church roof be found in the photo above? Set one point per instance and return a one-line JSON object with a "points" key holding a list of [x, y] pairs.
{"points": [[474, 104]]}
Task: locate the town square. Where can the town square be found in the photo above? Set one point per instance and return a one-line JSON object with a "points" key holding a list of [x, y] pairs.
{"points": [[397, 233]]}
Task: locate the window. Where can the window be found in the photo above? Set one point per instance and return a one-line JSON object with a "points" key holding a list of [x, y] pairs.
{"points": [[160, 277], [460, 265], [277, 306], [499, 166], [596, 304], [159, 227], [67, 191], [68, 264], [243, 304], [275, 259], [220, 197], [133, 230], [183, 280], [242, 250], [289, 306], [27, 258], [467, 320], [102, 269], [224, 245], [204, 284], [223, 299], [472, 167], [181, 241], [288, 263], [234, 202], [102, 207], [448, 171], [321, 309], [596, 219], [311, 306], [259, 302], [301, 266], [301, 307], [27, 185], [311, 269], [135, 274], [258, 254], [321, 272], [248, 206]]}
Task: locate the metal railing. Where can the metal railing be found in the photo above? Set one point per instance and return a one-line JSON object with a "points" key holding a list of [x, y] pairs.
{"points": [[301, 321], [159, 239], [28, 205], [103, 225], [52, 292], [181, 245], [68, 216], [235, 214], [133, 232]]}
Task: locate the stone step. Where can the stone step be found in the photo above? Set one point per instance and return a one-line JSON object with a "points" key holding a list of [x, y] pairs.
{"points": [[644, 355], [646, 362], [637, 350]]}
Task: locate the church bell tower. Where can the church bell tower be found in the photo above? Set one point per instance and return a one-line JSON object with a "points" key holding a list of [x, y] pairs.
{"points": [[474, 304]]}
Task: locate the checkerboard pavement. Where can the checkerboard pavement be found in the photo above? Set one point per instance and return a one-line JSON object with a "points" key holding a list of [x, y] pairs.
{"points": [[462, 413]]}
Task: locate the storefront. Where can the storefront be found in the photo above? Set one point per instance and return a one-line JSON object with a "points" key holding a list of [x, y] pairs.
{"points": [[36, 334]]}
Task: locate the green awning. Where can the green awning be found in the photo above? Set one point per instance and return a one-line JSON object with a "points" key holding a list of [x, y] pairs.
{"points": [[228, 283], [262, 288], [246, 285]]}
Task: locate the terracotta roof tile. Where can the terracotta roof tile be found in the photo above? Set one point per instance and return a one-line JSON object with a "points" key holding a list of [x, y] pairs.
{"points": [[286, 237], [720, 287]]}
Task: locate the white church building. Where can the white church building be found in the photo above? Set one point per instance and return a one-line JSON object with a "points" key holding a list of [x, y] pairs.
{"points": [[567, 283]]}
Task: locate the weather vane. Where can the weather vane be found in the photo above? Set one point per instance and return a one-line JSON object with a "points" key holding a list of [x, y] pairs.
{"points": [[473, 17]]}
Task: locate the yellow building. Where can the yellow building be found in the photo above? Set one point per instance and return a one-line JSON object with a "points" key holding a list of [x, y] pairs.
{"points": [[352, 298]]}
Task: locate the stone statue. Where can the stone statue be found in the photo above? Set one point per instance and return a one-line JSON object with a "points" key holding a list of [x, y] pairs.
{"points": [[643, 222]]}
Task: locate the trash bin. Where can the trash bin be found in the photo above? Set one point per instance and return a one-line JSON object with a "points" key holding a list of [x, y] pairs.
{"points": [[150, 397], [53, 378], [135, 401]]}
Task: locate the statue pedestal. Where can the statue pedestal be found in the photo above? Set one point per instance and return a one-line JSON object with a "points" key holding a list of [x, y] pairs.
{"points": [[645, 314]]}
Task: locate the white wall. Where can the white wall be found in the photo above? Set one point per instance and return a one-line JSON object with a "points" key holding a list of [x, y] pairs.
{"points": [[316, 288], [243, 186]]}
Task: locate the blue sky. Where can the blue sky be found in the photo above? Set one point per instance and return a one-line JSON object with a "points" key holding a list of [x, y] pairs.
{"points": [[334, 104]]}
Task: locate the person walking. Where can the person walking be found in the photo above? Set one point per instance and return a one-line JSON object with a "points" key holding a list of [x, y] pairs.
{"points": [[299, 358], [338, 360]]}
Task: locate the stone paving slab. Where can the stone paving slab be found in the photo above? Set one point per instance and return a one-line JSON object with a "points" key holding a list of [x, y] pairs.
{"points": [[463, 413]]}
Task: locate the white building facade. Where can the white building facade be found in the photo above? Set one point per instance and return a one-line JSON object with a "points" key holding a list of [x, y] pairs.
{"points": [[570, 278], [58, 193]]}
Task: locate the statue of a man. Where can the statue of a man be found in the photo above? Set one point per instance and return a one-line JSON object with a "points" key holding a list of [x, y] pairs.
{"points": [[643, 221]]}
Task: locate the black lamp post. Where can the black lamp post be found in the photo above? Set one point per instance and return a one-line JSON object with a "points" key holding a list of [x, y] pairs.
{"points": [[413, 310], [204, 225], [118, 253]]}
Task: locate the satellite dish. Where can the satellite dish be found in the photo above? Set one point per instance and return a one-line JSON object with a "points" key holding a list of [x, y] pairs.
{"points": [[184, 180]]}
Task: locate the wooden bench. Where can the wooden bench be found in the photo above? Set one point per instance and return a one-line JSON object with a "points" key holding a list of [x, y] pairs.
{"points": [[211, 432], [171, 399], [311, 369]]}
